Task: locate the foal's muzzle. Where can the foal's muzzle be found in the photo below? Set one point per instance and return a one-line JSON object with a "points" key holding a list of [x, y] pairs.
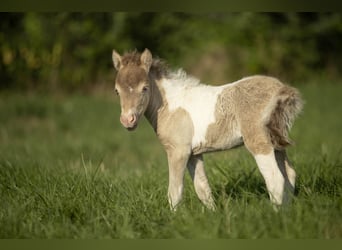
{"points": [[129, 121]]}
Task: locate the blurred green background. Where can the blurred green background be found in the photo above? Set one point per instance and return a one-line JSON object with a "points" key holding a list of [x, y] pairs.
{"points": [[72, 51], [68, 169]]}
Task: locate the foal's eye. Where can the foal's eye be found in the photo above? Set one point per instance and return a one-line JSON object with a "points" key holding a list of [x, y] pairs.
{"points": [[144, 89]]}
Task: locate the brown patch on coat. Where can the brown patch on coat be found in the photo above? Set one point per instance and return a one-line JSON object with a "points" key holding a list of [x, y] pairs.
{"points": [[223, 133], [266, 109], [175, 129], [252, 96]]}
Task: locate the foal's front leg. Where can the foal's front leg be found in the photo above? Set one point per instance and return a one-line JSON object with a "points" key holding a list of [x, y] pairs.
{"points": [[177, 159]]}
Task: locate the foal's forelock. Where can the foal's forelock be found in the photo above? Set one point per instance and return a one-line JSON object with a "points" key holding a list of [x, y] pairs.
{"points": [[131, 77]]}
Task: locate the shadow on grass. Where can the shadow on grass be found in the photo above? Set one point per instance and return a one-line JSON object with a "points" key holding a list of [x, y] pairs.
{"points": [[241, 187]]}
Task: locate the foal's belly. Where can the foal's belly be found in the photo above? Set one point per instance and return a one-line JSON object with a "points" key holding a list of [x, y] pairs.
{"points": [[222, 142]]}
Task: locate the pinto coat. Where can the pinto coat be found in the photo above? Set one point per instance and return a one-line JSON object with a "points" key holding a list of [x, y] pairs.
{"points": [[191, 118]]}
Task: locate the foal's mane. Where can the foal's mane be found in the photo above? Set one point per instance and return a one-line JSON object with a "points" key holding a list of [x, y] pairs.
{"points": [[158, 69]]}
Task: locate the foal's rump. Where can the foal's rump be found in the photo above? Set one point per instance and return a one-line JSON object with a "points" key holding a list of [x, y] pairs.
{"points": [[265, 104]]}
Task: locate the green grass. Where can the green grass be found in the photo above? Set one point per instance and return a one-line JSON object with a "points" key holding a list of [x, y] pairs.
{"points": [[69, 170]]}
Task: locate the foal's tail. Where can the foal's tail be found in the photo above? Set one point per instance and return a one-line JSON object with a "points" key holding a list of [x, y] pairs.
{"points": [[286, 106]]}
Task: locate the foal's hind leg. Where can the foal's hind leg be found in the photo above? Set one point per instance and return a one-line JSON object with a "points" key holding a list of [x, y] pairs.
{"points": [[275, 181], [258, 143], [202, 188], [288, 172]]}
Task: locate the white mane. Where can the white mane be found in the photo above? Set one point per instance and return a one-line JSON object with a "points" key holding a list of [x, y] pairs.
{"points": [[181, 77]]}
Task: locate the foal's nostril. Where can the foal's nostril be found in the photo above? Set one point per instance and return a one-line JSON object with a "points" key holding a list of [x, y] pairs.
{"points": [[132, 119]]}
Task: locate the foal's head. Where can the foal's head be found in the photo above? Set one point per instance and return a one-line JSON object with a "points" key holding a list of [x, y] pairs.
{"points": [[132, 85]]}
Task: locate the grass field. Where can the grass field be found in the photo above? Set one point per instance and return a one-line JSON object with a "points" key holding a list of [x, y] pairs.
{"points": [[69, 170]]}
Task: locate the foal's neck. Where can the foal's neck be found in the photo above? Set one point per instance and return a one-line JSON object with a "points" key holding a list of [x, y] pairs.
{"points": [[155, 103]]}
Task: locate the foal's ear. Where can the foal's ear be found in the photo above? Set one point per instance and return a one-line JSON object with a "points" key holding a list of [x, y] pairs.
{"points": [[116, 60], [146, 59]]}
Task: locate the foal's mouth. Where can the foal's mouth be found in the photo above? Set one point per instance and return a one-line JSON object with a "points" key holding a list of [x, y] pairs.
{"points": [[130, 127], [133, 127]]}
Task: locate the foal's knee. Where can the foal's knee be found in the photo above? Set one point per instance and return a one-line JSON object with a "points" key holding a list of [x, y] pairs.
{"points": [[174, 196]]}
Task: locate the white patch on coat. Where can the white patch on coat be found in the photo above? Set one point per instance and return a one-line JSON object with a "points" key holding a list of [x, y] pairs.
{"points": [[199, 100], [273, 177]]}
